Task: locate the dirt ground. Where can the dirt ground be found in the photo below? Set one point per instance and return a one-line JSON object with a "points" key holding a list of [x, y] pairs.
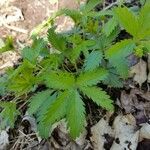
{"points": [[30, 14]]}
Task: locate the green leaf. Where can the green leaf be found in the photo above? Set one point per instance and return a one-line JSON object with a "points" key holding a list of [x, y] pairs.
{"points": [[113, 80], [110, 26], [57, 110], [93, 60], [33, 52], [75, 114], [52, 61], [44, 130], [144, 15], [45, 106], [104, 41], [8, 45], [72, 13], [37, 100], [144, 19], [22, 84], [83, 46], [91, 77], [90, 5], [3, 83], [22, 80], [59, 80], [56, 40], [128, 20], [8, 114], [146, 44], [99, 97], [117, 55], [142, 2]]}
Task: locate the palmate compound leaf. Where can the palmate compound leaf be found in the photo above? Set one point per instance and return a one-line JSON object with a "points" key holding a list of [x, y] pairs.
{"points": [[59, 80], [90, 78], [93, 60], [75, 114], [128, 20], [117, 55], [99, 96]]}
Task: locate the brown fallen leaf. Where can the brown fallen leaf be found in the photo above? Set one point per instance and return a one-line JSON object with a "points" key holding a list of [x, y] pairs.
{"points": [[137, 102], [126, 136], [8, 59], [139, 71], [126, 102], [4, 140], [145, 131], [148, 68], [98, 132], [10, 14]]}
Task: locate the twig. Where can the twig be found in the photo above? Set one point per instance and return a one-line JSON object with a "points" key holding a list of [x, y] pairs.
{"points": [[111, 5], [15, 28]]}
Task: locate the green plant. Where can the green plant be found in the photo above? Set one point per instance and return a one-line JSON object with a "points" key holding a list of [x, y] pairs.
{"points": [[69, 66]]}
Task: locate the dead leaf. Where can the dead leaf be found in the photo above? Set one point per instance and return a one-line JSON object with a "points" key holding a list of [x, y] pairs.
{"points": [[10, 14], [98, 131], [4, 140], [136, 100], [8, 59], [53, 1], [126, 102], [139, 72], [148, 68], [126, 137], [145, 131]]}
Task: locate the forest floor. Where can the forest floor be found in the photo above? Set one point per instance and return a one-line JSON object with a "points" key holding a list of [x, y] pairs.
{"points": [[127, 129]]}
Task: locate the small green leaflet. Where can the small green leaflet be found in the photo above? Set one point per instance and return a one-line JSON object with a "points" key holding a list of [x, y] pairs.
{"points": [[99, 97], [57, 109], [75, 114], [37, 100], [32, 53], [8, 114], [90, 5], [59, 80], [117, 54], [93, 60], [56, 40], [90, 78], [144, 19], [128, 20], [45, 106], [82, 47], [73, 14], [8, 45], [110, 26], [113, 80]]}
